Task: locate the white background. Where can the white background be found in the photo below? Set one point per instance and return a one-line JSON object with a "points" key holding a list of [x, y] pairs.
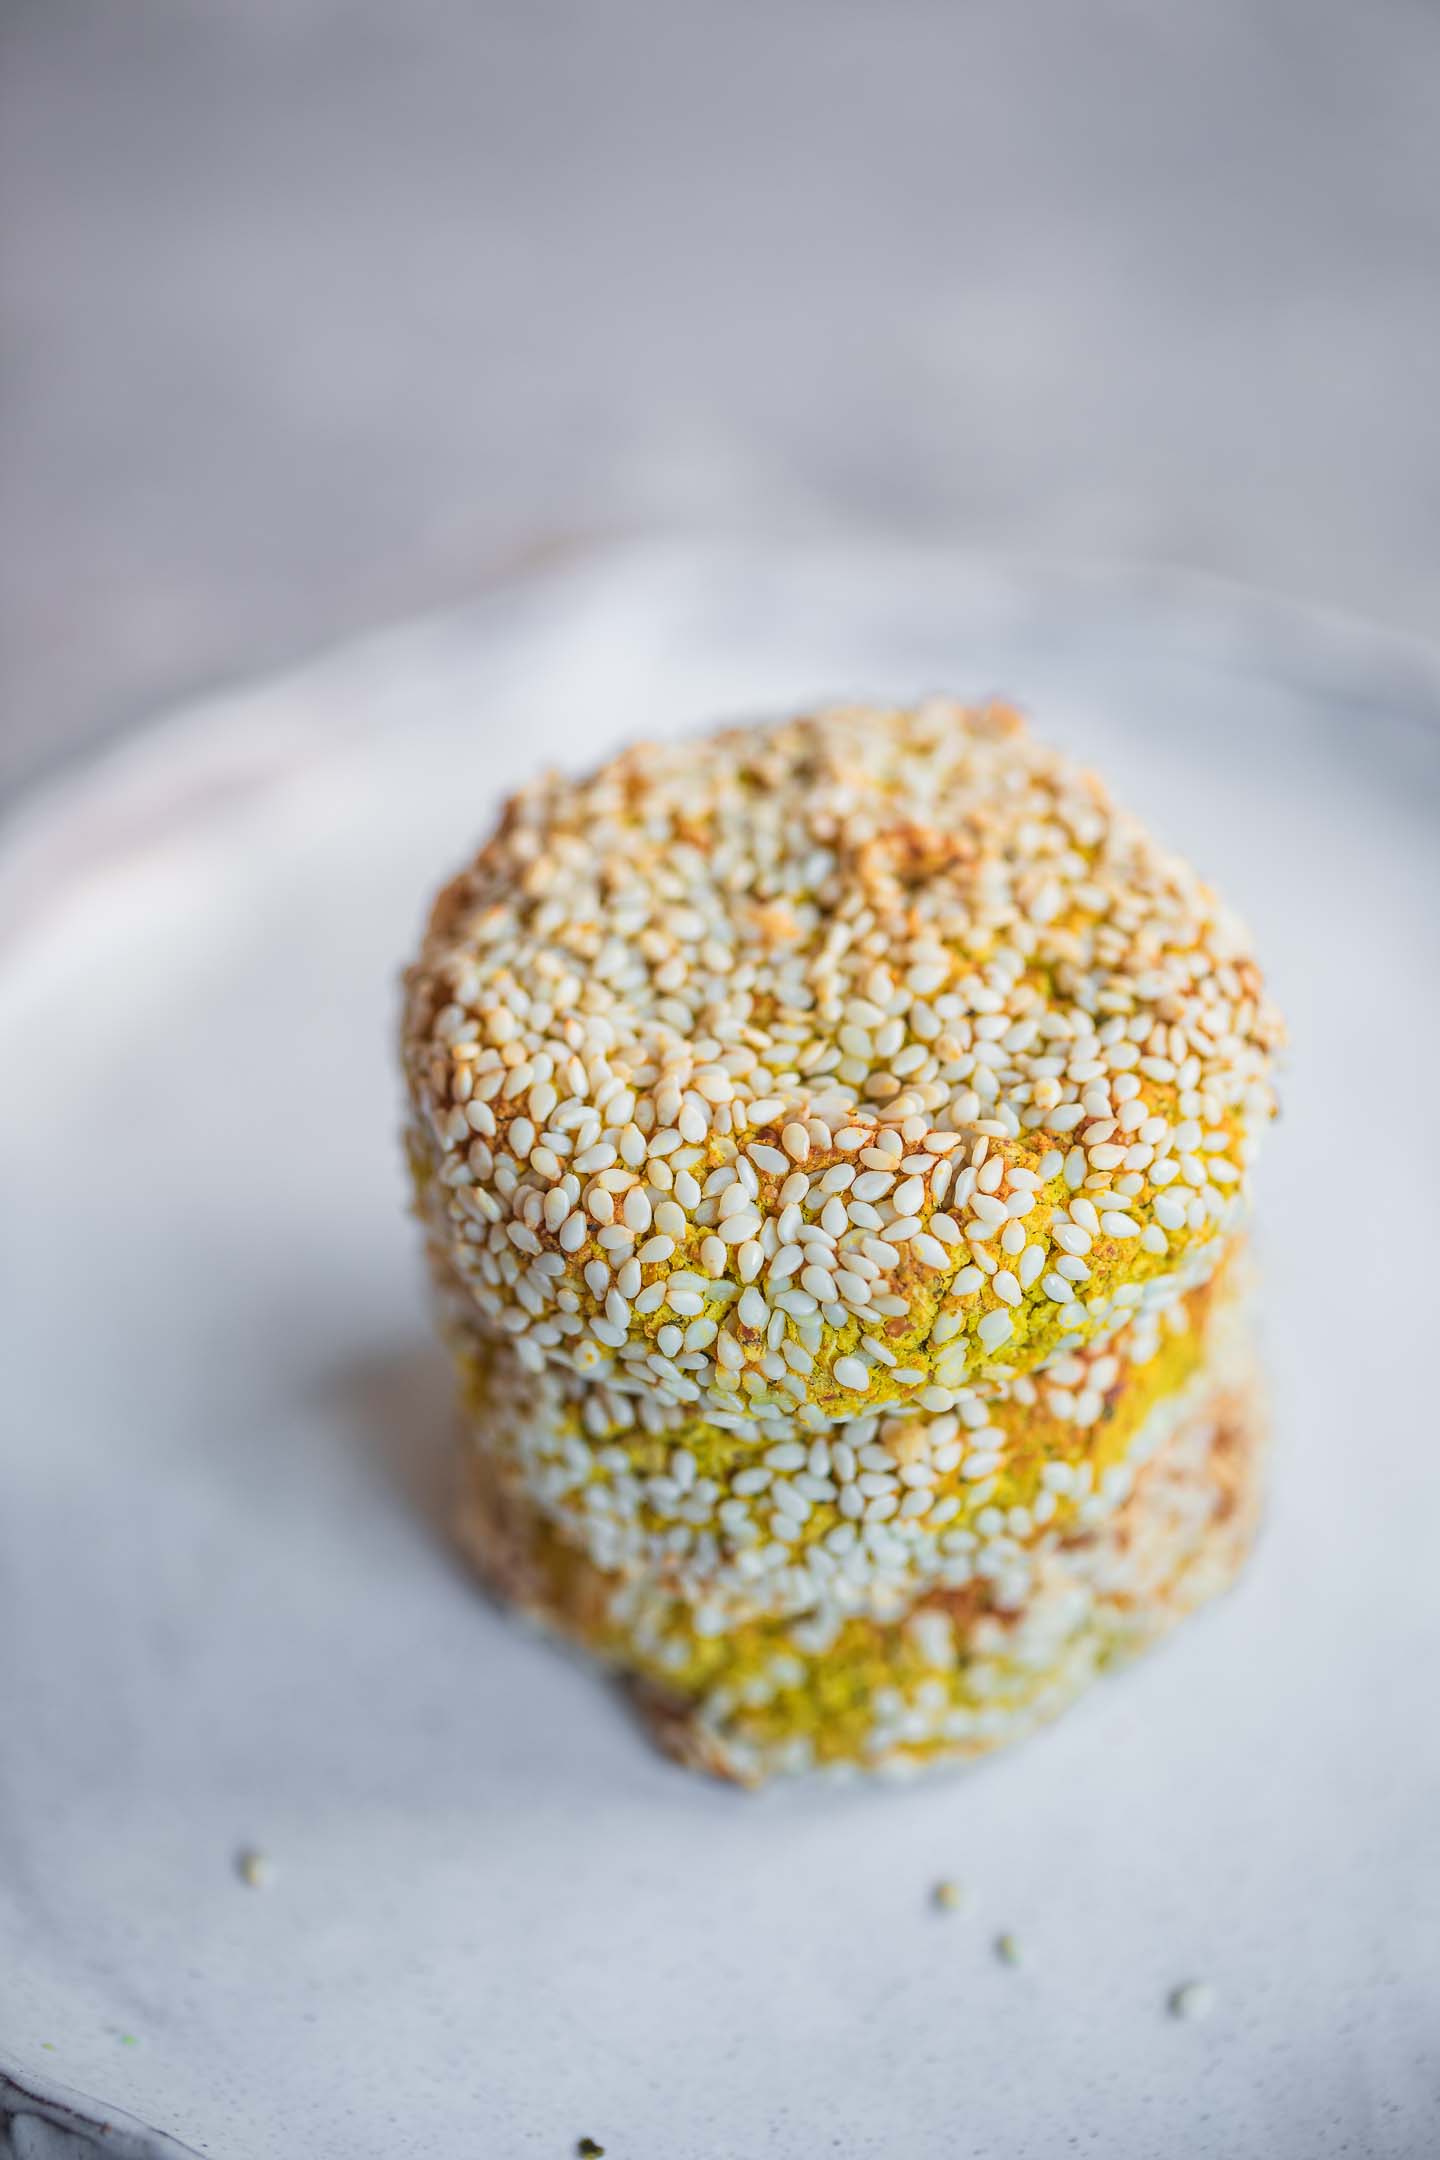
{"points": [[316, 312]]}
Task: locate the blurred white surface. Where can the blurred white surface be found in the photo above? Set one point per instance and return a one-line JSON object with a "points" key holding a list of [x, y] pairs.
{"points": [[497, 1922], [320, 311]]}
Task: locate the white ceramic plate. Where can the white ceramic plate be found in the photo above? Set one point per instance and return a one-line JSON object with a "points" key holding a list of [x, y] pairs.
{"points": [[497, 1921]]}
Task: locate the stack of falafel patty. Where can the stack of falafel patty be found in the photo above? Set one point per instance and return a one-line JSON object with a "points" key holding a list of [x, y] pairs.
{"points": [[833, 1141]]}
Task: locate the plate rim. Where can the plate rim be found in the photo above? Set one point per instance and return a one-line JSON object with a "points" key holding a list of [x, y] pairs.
{"points": [[135, 774]]}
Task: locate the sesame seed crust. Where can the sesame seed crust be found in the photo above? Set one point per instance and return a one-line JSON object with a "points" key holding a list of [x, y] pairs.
{"points": [[810, 1069], [953, 1677], [755, 1518]]}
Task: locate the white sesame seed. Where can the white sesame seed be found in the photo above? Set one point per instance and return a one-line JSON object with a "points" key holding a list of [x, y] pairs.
{"points": [[636, 1209], [993, 1329], [833, 1217], [853, 1288]]}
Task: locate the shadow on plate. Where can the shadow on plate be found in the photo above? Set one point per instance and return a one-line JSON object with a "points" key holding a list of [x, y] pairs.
{"points": [[399, 1406]]}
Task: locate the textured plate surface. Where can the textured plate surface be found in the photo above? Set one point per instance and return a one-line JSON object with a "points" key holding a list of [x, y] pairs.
{"points": [[228, 1617]]}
